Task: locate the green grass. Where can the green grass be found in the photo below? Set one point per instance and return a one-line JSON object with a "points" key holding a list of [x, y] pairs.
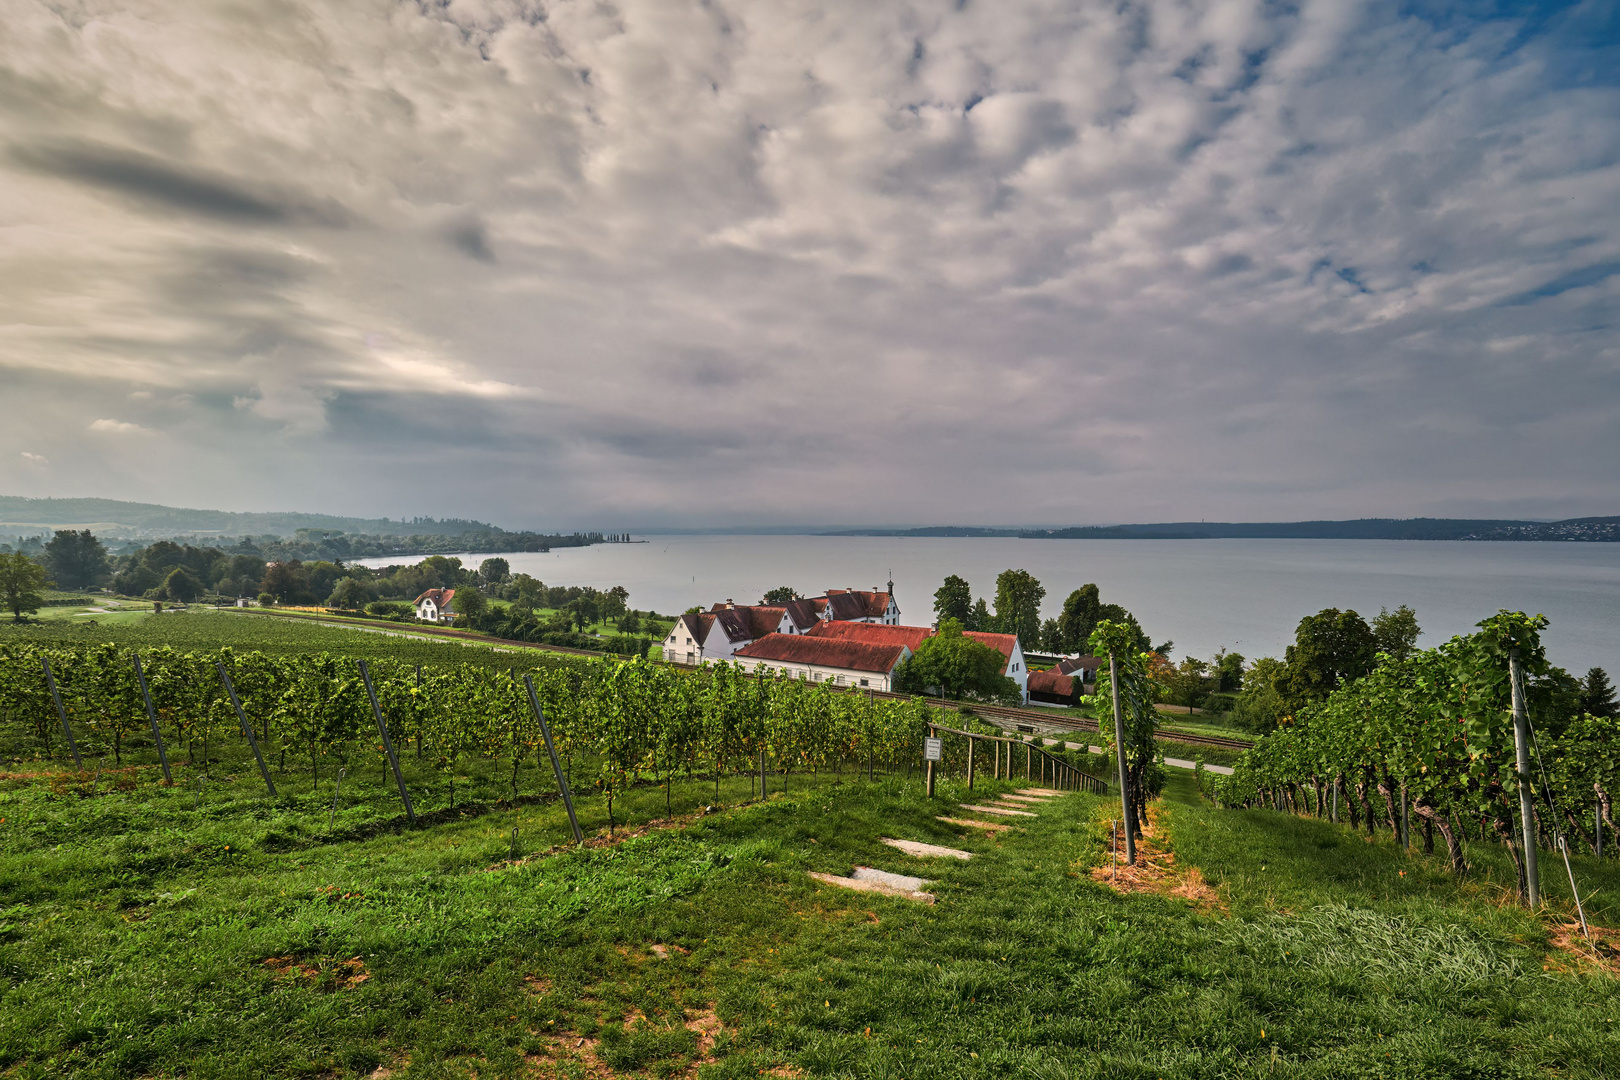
{"points": [[142, 937]]}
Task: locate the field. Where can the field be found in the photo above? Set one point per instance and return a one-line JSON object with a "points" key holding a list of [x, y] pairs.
{"points": [[153, 931], [208, 930]]}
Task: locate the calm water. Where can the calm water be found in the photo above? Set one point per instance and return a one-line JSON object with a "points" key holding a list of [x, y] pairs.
{"points": [[1245, 595]]}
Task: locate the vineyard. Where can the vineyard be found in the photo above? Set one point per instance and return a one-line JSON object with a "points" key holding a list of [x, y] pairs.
{"points": [[615, 723], [1431, 737]]}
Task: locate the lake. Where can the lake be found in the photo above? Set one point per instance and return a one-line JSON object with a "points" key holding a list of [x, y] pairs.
{"points": [[1243, 595]]}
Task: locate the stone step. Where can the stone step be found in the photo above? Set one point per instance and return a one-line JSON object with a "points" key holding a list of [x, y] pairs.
{"points": [[1027, 800], [873, 885], [1046, 793], [1003, 811], [969, 823], [927, 851]]}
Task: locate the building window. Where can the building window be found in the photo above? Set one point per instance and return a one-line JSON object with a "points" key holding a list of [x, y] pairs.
{"points": [[863, 682]]}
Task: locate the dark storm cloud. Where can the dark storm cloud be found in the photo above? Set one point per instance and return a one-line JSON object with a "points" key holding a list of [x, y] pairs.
{"points": [[923, 260], [154, 181]]}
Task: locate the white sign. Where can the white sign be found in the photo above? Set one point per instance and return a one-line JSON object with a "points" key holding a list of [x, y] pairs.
{"points": [[933, 749]]}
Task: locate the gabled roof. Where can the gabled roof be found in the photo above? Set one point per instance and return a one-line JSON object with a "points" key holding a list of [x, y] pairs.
{"points": [[697, 625], [440, 597], [1071, 664], [854, 604], [1002, 643], [1051, 682], [873, 633], [825, 652], [804, 613]]}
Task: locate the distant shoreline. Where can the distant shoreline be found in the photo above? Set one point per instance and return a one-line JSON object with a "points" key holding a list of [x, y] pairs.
{"points": [[1577, 530]]}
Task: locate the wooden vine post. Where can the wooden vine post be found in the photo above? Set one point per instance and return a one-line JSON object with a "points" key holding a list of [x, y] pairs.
{"points": [[556, 766], [1527, 806], [388, 744], [151, 714], [1119, 752], [247, 729], [50, 681]]}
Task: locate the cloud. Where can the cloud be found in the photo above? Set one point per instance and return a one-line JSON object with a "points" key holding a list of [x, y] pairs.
{"points": [[35, 459], [118, 427], [680, 262]]}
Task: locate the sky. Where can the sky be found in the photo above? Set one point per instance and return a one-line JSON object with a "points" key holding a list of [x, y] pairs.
{"points": [[624, 265]]}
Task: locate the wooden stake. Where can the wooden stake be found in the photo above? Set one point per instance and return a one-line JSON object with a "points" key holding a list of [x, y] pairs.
{"points": [[1527, 806], [247, 729], [50, 681], [556, 766], [388, 748], [151, 714]]}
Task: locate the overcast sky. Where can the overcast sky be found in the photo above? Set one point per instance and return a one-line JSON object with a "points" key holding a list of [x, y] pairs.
{"points": [[659, 262]]}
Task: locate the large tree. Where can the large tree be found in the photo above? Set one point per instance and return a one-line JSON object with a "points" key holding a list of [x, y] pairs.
{"points": [[782, 594], [21, 581], [1597, 693], [954, 600], [1396, 632], [1081, 612], [495, 570], [76, 559], [182, 584], [469, 603], [287, 581], [952, 664], [1018, 604], [1330, 648]]}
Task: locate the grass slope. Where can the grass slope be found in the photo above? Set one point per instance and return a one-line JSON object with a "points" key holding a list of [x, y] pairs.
{"points": [[142, 937]]}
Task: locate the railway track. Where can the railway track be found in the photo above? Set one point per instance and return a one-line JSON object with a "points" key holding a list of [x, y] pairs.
{"points": [[1031, 718]]}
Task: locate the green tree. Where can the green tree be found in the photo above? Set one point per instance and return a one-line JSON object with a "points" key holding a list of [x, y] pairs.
{"points": [[493, 571], [1018, 604], [76, 559], [1396, 632], [1052, 636], [1228, 671], [954, 600], [614, 601], [1081, 612], [1115, 614], [350, 594], [1330, 648], [21, 580], [1597, 693], [469, 603], [956, 666], [287, 581], [1260, 707], [782, 594], [182, 584], [980, 619]]}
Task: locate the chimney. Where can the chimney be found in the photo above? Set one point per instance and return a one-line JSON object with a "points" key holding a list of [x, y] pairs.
{"points": [[729, 603]]}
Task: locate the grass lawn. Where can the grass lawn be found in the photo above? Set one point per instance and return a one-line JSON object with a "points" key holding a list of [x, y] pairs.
{"points": [[151, 931]]}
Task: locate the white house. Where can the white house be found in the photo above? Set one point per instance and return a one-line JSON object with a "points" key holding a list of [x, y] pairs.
{"points": [[821, 659], [716, 635], [434, 606], [912, 636]]}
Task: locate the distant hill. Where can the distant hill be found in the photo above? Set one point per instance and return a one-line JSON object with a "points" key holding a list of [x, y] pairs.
{"points": [[131, 520], [1602, 529]]}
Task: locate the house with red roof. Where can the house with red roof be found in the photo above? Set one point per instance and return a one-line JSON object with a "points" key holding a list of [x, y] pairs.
{"points": [[835, 660], [1007, 645], [434, 605], [717, 635]]}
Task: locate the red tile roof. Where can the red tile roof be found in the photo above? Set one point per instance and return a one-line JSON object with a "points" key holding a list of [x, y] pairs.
{"points": [[1051, 682], [440, 597], [1002, 643], [825, 652], [873, 633], [1070, 665]]}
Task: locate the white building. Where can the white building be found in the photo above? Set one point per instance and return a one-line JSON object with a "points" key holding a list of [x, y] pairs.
{"points": [[434, 606], [1007, 645], [716, 635], [819, 659]]}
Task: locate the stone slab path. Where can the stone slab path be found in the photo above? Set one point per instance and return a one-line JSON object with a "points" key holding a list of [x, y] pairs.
{"points": [[927, 851], [876, 881], [969, 823], [999, 810]]}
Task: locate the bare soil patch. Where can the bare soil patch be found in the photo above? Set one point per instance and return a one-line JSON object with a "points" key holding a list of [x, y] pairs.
{"points": [[1156, 869]]}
